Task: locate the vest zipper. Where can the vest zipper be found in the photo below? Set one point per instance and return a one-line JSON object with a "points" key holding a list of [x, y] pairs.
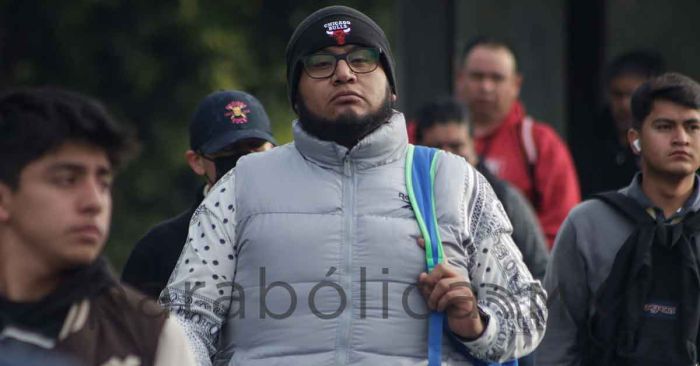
{"points": [[345, 278]]}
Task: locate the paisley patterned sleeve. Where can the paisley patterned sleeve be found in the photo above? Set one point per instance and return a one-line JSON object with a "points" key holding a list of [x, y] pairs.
{"points": [[513, 301], [200, 288]]}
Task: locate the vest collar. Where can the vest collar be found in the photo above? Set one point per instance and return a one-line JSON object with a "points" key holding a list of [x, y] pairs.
{"points": [[384, 145]]}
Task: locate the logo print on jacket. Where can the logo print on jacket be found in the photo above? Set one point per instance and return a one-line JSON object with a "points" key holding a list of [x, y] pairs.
{"points": [[237, 112], [338, 30], [660, 309]]}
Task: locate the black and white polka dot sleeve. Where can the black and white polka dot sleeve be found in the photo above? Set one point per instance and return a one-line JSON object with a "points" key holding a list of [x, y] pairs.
{"points": [[200, 288]]}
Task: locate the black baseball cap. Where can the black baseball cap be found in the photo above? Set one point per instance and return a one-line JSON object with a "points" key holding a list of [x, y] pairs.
{"points": [[226, 117]]}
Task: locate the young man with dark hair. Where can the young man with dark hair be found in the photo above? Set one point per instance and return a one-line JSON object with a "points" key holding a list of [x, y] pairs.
{"points": [[623, 279], [226, 125], [60, 151], [444, 124], [528, 154], [306, 254], [611, 165]]}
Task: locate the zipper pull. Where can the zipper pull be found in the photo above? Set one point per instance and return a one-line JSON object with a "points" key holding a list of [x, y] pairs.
{"points": [[346, 167]]}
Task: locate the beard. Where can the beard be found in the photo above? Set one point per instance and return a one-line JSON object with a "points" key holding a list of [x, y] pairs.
{"points": [[348, 128]]}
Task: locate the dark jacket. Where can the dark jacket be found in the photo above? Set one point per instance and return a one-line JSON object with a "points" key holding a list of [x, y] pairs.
{"points": [[154, 256], [527, 233], [94, 321]]}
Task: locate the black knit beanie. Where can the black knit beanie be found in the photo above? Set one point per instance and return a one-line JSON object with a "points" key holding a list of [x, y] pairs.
{"points": [[335, 26]]}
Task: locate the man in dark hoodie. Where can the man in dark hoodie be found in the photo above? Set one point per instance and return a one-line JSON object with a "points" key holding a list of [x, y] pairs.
{"points": [[612, 164], [57, 294]]}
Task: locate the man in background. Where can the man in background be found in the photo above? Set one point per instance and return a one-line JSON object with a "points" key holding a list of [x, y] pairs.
{"points": [[225, 126], [444, 124], [611, 164], [528, 154]]}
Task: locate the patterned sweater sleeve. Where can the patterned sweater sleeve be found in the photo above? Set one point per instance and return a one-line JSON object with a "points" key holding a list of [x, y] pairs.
{"points": [[200, 288], [513, 301]]}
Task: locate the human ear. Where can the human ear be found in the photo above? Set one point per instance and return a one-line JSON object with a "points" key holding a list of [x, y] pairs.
{"points": [[195, 162], [518, 82], [5, 198]]}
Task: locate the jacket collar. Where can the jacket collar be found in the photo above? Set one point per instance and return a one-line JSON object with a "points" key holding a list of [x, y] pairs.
{"points": [[514, 116], [634, 191], [47, 315], [384, 145]]}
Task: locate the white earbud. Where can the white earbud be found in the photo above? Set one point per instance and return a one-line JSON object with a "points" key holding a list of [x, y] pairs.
{"points": [[637, 145]]}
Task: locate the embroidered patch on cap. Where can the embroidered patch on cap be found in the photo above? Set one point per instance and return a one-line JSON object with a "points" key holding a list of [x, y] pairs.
{"points": [[338, 30], [237, 112]]}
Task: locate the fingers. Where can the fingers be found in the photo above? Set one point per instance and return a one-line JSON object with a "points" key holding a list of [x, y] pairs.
{"points": [[422, 278], [459, 300], [421, 242], [441, 281], [441, 271], [446, 290]]}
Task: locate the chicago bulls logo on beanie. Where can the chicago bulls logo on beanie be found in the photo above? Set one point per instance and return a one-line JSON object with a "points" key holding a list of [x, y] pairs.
{"points": [[338, 30], [335, 26]]}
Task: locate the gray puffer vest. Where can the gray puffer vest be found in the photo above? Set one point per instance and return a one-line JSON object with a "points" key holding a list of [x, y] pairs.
{"points": [[326, 259]]}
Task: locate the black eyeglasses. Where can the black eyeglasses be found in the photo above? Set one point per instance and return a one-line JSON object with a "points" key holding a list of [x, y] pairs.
{"points": [[360, 60]]}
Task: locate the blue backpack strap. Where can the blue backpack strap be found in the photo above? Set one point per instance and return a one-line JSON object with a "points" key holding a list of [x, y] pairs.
{"points": [[420, 175], [421, 165]]}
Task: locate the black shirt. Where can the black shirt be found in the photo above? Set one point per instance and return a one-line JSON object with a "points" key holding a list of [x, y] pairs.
{"points": [[605, 165], [154, 256]]}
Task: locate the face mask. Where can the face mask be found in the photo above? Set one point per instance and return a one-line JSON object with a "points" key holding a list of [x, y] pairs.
{"points": [[225, 163]]}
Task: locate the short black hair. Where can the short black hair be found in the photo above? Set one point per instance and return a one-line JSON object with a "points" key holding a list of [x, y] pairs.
{"points": [[645, 64], [489, 42], [672, 87], [441, 111], [36, 121]]}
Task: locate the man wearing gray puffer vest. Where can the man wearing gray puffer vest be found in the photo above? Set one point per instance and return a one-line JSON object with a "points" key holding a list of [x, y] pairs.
{"points": [[308, 254]]}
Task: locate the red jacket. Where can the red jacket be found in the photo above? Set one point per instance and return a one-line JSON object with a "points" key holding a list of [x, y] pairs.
{"points": [[550, 184]]}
